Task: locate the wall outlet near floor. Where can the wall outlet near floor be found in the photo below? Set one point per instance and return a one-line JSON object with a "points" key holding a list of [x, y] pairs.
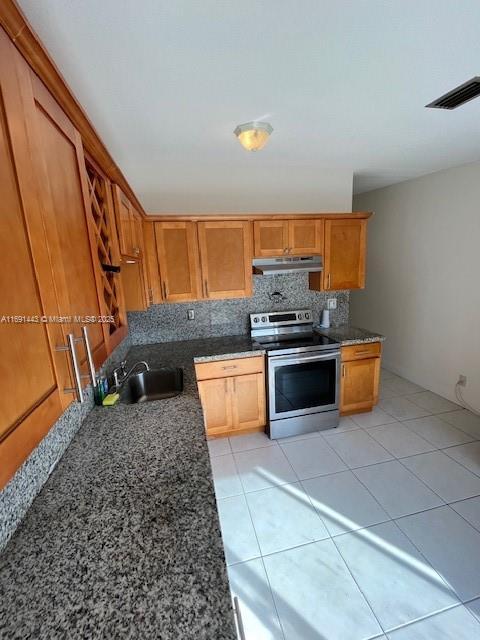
{"points": [[331, 303], [191, 314], [462, 380]]}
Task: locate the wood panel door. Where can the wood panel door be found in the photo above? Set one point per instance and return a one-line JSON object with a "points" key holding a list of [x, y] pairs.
{"points": [[248, 401], [359, 385], [305, 237], [345, 253], [151, 264], [270, 238], [216, 402], [30, 394], [134, 285], [125, 224], [226, 259], [178, 259]]}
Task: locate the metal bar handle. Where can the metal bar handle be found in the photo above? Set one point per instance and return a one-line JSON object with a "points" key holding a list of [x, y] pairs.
{"points": [[75, 367], [241, 630], [330, 355], [91, 366]]}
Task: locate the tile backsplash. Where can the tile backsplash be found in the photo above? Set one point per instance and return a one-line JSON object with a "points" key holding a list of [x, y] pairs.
{"points": [[168, 322]]}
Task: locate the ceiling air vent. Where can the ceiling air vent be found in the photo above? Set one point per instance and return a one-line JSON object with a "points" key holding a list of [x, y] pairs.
{"points": [[458, 96]]}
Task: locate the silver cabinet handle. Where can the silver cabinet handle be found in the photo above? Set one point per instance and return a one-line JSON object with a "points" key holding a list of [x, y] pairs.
{"points": [[230, 366], [70, 347], [236, 608], [328, 281], [343, 371], [91, 366], [164, 290], [206, 288]]}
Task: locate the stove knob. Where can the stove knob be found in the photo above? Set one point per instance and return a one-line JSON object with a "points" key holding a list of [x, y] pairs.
{"points": [[300, 316], [307, 316], [255, 319], [264, 318]]}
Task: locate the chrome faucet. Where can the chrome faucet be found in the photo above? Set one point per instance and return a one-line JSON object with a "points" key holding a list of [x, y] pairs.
{"points": [[120, 374]]}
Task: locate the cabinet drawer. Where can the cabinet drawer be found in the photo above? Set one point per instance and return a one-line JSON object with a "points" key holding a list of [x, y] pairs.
{"points": [[227, 368], [360, 351]]}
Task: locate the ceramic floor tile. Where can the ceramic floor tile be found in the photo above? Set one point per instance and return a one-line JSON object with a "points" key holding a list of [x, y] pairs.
{"points": [[450, 544], [456, 623], [438, 432], [300, 436], [239, 539], [385, 391], [470, 510], [433, 402], [218, 447], [396, 580], [372, 418], [346, 424], [250, 441], [316, 597], [283, 517], [399, 440], [343, 502], [465, 421], [444, 475], [312, 457], [248, 581], [225, 476], [357, 448], [402, 408], [397, 489], [466, 454], [386, 374], [405, 387], [263, 468]]}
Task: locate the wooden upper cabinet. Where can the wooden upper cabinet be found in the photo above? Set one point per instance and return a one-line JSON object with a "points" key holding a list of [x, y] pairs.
{"points": [[270, 238], [151, 264], [344, 256], [177, 247], [305, 237], [288, 237], [226, 259], [127, 225]]}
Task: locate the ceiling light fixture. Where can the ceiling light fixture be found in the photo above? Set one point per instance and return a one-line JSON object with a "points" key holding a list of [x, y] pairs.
{"points": [[253, 136]]}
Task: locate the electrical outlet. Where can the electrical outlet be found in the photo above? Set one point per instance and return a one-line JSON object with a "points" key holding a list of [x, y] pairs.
{"points": [[462, 380], [331, 303], [191, 314]]}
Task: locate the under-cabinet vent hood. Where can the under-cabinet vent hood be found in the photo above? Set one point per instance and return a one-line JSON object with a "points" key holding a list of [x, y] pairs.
{"points": [[287, 264]]}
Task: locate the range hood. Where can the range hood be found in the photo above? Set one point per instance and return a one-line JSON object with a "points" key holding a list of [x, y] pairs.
{"points": [[287, 264]]}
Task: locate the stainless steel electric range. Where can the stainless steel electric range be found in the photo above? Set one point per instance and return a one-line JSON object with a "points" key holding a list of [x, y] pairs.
{"points": [[303, 372]]}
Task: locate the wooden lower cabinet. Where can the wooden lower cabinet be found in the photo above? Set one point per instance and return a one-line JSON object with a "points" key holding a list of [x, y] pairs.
{"points": [[232, 404], [360, 378]]}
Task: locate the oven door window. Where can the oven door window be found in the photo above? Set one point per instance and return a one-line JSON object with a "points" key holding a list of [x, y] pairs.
{"points": [[304, 386]]}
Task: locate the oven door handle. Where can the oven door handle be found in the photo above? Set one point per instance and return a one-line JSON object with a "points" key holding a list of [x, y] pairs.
{"points": [[299, 360]]}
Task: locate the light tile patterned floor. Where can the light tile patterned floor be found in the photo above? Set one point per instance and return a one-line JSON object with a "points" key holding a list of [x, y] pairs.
{"points": [[370, 530]]}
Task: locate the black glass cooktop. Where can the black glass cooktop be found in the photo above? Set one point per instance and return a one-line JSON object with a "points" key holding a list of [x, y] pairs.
{"points": [[297, 341]]}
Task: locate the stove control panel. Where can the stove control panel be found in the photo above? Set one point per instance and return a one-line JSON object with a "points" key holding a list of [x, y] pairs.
{"points": [[280, 318]]}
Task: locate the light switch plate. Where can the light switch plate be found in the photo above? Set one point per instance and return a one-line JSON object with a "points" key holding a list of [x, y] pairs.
{"points": [[191, 314], [331, 303]]}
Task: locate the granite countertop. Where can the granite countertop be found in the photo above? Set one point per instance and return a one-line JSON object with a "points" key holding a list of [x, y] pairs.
{"points": [[124, 540], [347, 335]]}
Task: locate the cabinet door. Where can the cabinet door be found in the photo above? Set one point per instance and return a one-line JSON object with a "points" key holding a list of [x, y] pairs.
{"points": [[226, 259], [177, 248], [137, 233], [216, 403], [305, 237], [124, 222], [133, 285], [270, 238], [345, 249], [30, 394], [248, 401], [59, 164], [359, 385], [151, 263]]}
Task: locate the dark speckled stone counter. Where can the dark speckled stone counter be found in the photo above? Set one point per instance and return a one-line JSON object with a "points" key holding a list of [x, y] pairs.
{"points": [[347, 335], [124, 540]]}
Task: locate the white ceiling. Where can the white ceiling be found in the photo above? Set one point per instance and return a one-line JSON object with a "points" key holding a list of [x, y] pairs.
{"points": [[343, 82]]}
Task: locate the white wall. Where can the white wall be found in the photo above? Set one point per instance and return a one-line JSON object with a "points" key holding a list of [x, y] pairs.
{"points": [[253, 188], [423, 278]]}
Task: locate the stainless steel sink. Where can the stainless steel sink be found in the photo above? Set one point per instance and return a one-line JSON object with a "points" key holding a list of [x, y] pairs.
{"points": [[155, 384]]}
